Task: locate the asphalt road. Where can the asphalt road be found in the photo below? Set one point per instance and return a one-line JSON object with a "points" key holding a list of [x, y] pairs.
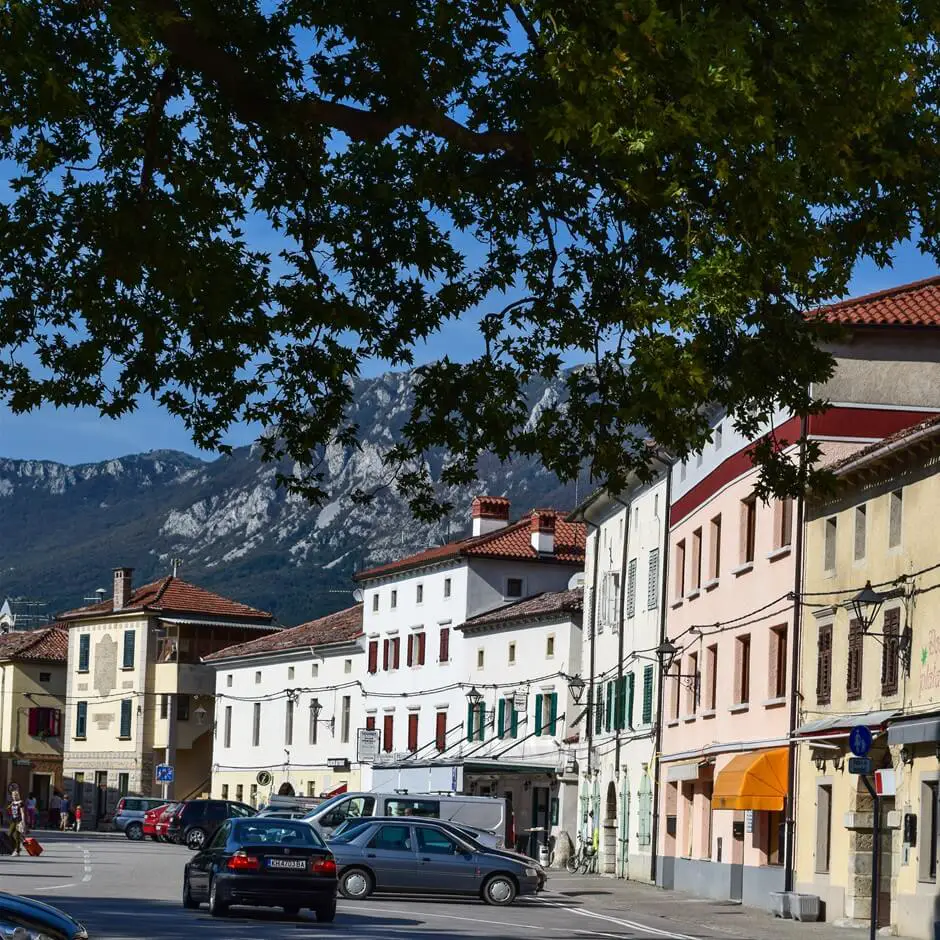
{"points": [[131, 891]]}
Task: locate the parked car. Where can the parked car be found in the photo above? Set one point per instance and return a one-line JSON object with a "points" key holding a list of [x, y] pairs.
{"points": [[148, 824], [272, 813], [129, 815], [193, 822], [263, 862], [23, 917], [163, 822], [486, 839], [423, 857]]}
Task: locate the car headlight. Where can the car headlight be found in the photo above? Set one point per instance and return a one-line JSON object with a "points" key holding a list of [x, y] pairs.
{"points": [[531, 873]]}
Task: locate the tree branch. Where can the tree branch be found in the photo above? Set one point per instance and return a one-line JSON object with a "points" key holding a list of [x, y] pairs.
{"points": [[527, 26], [161, 95]]}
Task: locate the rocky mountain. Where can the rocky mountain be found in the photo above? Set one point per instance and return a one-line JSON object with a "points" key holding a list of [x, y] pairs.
{"points": [[63, 528]]}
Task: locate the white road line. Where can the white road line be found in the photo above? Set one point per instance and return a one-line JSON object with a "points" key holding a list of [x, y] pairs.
{"points": [[54, 887], [633, 925], [86, 866], [423, 913]]}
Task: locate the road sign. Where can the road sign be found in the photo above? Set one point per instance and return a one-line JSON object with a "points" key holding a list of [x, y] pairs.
{"points": [[860, 765], [367, 745], [165, 773], [860, 740], [886, 783]]}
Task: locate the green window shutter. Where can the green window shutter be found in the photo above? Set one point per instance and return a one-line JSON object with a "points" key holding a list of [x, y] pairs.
{"points": [[538, 714], [514, 723], [599, 711], [552, 712], [620, 704], [630, 690], [609, 705], [501, 718], [647, 695], [481, 722], [469, 722]]}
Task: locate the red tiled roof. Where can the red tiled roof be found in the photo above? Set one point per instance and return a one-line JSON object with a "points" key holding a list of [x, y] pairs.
{"points": [[513, 542], [47, 644], [171, 595], [532, 608], [343, 625], [928, 428], [916, 304]]}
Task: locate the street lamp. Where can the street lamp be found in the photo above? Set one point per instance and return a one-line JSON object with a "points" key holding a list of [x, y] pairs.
{"points": [[474, 697], [865, 607], [200, 714], [315, 708], [576, 688], [867, 604], [667, 651]]}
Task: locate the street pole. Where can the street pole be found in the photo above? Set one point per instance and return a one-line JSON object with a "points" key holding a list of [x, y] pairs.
{"points": [[875, 857]]}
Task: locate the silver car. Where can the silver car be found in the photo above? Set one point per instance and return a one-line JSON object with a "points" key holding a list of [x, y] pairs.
{"points": [[417, 856], [129, 815]]}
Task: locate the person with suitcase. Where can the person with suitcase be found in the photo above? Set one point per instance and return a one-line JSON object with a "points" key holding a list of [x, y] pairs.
{"points": [[16, 810]]}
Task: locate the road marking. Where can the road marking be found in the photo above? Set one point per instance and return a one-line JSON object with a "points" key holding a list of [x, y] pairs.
{"points": [[633, 925], [471, 920], [86, 866], [54, 887]]}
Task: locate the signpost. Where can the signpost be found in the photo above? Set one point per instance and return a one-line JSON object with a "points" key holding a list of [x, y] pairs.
{"points": [[165, 774], [367, 745], [860, 739], [860, 765]]}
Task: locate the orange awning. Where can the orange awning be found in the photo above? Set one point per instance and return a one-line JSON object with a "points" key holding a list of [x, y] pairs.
{"points": [[755, 780]]}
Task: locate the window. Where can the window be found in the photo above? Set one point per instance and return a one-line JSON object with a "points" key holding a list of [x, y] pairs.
{"points": [[647, 713], [125, 731], [256, 725], [742, 673], [227, 727], [512, 653], [164, 706], [674, 693], [678, 577], [396, 652], [124, 784], [711, 672], [239, 792], [370, 723], [476, 722], [421, 641], [446, 587], [45, 677], [693, 690], [392, 839], [84, 651], [824, 664], [895, 516], [652, 586], [413, 732], [290, 672], [829, 550], [130, 640], [546, 713], [224, 791], [440, 731], [289, 723], [778, 662], [550, 646], [696, 559], [182, 708], [258, 677], [375, 603], [45, 722], [890, 651], [714, 548], [253, 794], [853, 678], [373, 657], [479, 659], [748, 529], [344, 719], [436, 843], [228, 681], [314, 670], [783, 536], [861, 519], [444, 645], [386, 648], [610, 598], [313, 729], [394, 601], [631, 588], [416, 649], [419, 594], [513, 587], [928, 830], [388, 734]]}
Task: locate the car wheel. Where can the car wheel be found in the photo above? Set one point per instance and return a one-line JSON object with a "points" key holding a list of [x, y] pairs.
{"points": [[291, 910], [217, 907], [189, 902], [355, 884], [134, 832], [326, 913], [196, 839], [499, 890]]}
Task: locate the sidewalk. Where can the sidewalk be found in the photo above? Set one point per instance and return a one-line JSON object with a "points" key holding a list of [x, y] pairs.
{"points": [[686, 914]]}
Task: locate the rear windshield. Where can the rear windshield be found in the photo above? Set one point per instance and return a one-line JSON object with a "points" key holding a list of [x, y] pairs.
{"points": [[275, 832]]}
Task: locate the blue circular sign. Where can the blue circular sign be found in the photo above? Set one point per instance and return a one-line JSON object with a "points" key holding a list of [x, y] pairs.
{"points": [[860, 740]]}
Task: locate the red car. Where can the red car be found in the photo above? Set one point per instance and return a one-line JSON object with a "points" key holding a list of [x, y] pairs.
{"points": [[150, 821], [163, 821]]}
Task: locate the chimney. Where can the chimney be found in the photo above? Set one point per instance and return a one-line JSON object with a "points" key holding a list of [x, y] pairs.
{"points": [[542, 529], [123, 581], [489, 513]]}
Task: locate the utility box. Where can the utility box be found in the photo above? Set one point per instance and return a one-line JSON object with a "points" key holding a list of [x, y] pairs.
{"points": [[804, 907]]}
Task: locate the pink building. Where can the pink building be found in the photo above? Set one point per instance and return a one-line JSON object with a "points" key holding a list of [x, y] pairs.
{"points": [[728, 711]]}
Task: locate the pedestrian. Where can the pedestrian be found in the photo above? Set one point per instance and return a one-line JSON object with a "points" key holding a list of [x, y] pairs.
{"points": [[78, 819], [55, 805], [31, 811], [64, 807], [16, 811]]}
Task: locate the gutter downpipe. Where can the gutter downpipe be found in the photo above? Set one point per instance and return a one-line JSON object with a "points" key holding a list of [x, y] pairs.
{"points": [[790, 823], [623, 595], [657, 747], [592, 619]]}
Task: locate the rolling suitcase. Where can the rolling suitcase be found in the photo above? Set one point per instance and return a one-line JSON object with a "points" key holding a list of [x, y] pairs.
{"points": [[32, 847]]}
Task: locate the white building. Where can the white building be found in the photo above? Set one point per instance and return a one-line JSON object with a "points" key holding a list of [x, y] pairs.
{"points": [[289, 707], [623, 620], [420, 667]]}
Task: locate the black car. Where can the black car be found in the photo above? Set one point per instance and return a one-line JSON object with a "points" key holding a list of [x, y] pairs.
{"points": [[193, 822], [263, 862], [37, 919]]}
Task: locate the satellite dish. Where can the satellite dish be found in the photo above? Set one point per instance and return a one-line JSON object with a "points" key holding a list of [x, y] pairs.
{"points": [[576, 581], [264, 778], [357, 595]]}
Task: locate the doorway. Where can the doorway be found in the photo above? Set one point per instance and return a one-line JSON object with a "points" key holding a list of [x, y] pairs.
{"points": [[540, 820], [737, 856], [41, 788], [623, 828], [101, 795], [609, 831]]}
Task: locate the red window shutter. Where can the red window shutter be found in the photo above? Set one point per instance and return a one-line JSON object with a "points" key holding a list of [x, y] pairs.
{"points": [[373, 656], [34, 721], [413, 732], [370, 722], [445, 644], [421, 648], [411, 649], [440, 731], [389, 733], [385, 655], [396, 650]]}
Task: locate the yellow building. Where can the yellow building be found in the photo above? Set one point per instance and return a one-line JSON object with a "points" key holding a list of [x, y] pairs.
{"points": [[32, 702], [138, 693], [873, 660]]}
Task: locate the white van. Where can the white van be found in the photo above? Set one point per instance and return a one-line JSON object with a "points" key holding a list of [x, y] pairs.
{"points": [[487, 813]]}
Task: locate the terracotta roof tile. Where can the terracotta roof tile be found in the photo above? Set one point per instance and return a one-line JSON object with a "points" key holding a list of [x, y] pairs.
{"points": [[532, 608], [513, 542], [916, 304], [47, 644], [343, 625], [171, 595], [886, 444]]}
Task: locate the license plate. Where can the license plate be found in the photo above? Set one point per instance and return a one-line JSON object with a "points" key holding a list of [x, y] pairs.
{"points": [[292, 864]]}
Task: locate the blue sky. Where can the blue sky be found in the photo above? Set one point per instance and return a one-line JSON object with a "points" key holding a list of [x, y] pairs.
{"points": [[78, 436]]}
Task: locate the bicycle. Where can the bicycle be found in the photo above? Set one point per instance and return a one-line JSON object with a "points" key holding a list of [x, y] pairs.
{"points": [[584, 859]]}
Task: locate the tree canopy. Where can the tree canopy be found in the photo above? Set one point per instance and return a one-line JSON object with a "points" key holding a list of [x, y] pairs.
{"points": [[658, 189]]}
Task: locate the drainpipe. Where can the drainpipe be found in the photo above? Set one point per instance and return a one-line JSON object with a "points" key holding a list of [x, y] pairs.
{"points": [[790, 823], [654, 853], [592, 619], [622, 600]]}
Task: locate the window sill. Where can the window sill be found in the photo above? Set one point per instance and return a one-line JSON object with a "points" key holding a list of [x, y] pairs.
{"points": [[79, 737], [742, 707], [128, 668], [709, 714], [676, 604], [743, 569], [693, 594], [775, 702], [123, 737], [781, 552], [674, 723], [711, 585], [83, 672], [688, 719]]}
